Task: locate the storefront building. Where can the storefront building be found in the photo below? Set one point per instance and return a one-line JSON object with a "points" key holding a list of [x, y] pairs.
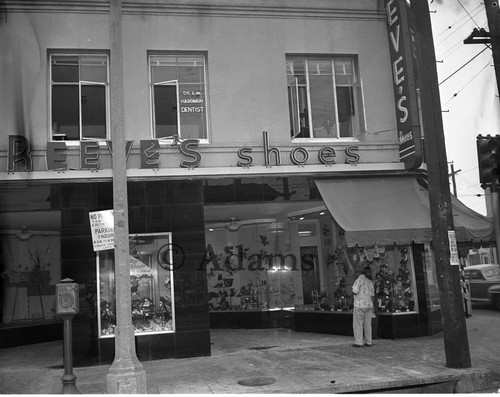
{"points": [[271, 154]]}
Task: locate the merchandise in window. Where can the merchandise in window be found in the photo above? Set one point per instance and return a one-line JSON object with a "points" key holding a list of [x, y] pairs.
{"points": [[392, 275], [151, 286], [178, 87], [324, 98], [79, 97]]}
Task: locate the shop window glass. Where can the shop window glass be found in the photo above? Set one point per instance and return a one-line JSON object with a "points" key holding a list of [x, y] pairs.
{"points": [[30, 254], [179, 96], [393, 276], [79, 97], [325, 98], [151, 286]]}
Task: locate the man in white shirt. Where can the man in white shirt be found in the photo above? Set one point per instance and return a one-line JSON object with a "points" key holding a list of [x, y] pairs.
{"points": [[363, 309]]}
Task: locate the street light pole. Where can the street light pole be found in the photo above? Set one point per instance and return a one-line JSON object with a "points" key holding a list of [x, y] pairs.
{"points": [[452, 310], [126, 374]]}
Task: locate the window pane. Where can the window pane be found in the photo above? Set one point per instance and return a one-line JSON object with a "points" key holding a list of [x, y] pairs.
{"points": [[192, 111], [165, 107], [316, 67], [65, 69], [322, 106], [65, 111], [346, 110], [164, 73], [94, 68], [191, 70], [344, 72], [93, 111], [298, 67]]}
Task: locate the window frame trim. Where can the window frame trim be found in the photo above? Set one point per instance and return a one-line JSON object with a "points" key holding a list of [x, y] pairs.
{"points": [[75, 53], [166, 141], [361, 124]]}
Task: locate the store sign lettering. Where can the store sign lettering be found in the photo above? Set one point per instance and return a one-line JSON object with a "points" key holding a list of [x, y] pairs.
{"points": [[410, 151], [19, 153]]}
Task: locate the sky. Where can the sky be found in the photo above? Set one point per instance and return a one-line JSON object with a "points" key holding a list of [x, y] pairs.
{"points": [[469, 96]]}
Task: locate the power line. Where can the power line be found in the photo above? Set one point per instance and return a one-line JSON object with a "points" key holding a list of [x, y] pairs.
{"points": [[465, 64], [459, 44], [459, 2], [466, 84], [458, 27]]}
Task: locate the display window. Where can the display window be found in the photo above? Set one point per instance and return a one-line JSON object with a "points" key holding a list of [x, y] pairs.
{"points": [[392, 273], [151, 286], [249, 267]]}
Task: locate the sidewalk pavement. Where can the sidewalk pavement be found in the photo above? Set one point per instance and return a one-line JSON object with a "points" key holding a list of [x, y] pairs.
{"points": [[281, 361]]}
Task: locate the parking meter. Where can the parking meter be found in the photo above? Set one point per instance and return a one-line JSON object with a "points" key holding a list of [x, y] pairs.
{"points": [[67, 297]]}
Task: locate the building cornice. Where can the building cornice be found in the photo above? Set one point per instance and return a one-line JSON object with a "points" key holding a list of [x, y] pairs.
{"points": [[279, 9]]}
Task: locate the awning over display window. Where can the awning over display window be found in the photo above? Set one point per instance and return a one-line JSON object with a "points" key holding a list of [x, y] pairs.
{"points": [[389, 210]]}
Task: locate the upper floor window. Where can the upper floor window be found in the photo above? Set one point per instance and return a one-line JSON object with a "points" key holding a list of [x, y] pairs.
{"points": [[324, 97], [79, 96], [178, 91]]}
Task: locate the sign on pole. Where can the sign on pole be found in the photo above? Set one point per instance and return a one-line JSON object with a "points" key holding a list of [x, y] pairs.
{"points": [[454, 261], [102, 227]]}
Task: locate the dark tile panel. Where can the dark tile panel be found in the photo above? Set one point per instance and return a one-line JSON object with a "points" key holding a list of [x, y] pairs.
{"points": [[162, 346], [137, 219], [20, 336], [135, 194], [191, 317], [104, 196], [187, 192], [157, 193], [187, 217], [192, 344], [158, 219], [78, 195]]}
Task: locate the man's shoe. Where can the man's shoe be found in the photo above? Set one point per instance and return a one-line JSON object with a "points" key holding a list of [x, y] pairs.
{"points": [[355, 345], [368, 345]]}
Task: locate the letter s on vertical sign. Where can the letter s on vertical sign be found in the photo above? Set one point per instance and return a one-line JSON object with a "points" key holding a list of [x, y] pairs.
{"points": [[187, 150], [352, 157]]}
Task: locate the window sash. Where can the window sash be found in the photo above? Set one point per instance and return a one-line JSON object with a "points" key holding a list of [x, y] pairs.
{"points": [[334, 98], [188, 74], [86, 115]]}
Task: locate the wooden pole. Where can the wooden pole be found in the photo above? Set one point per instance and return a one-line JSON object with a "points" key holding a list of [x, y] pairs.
{"points": [[493, 15], [453, 316], [126, 374]]}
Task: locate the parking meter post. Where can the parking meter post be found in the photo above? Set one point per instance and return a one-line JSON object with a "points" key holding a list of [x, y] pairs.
{"points": [[69, 378], [67, 306]]}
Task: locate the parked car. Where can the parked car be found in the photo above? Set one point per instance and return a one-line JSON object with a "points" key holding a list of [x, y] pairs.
{"points": [[494, 296], [481, 278]]}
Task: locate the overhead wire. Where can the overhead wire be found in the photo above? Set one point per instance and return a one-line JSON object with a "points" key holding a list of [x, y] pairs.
{"points": [[464, 65], [456, 46], [463, 17], [459, 2], [466, 84], [456, 29]]}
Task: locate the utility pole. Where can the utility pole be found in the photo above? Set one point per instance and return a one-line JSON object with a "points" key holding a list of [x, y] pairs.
{"points": [[493, 16], [126, 374], [452, 310], [453, 181]]}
